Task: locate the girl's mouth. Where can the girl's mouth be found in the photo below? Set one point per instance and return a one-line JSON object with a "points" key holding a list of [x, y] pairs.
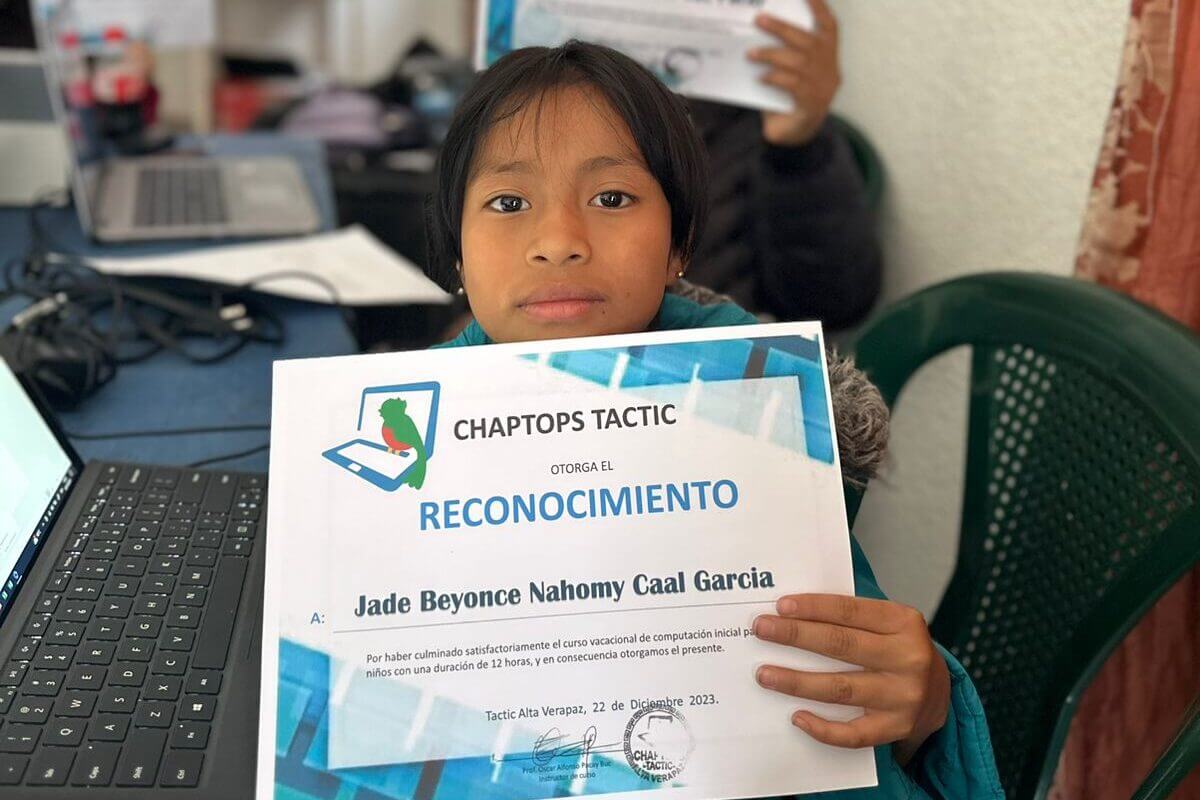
{"points": [[560, 303]]}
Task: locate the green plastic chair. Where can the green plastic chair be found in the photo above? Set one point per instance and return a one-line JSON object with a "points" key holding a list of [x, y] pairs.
{"points": [[866, 157], [1081, 494]]}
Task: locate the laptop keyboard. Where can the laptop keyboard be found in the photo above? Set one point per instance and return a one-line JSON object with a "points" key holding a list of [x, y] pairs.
{"points": [[118, 672], [179, 196]]}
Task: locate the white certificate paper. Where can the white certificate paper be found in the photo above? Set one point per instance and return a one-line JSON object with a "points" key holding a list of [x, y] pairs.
{"points": [[529, 570], [697, 47]]}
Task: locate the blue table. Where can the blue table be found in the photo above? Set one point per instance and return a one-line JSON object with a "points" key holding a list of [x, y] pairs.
{"points": [[169, 392]]}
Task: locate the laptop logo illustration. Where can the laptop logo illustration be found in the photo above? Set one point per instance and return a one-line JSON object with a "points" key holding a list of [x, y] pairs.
{"points": [[396, 429]]}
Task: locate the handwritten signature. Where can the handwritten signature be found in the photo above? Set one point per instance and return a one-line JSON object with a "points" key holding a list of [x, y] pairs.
{"points": [[552, 744]]}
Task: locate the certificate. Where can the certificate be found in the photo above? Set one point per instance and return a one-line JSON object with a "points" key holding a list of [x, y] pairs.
{"points": [[530, 570], [696, 47]]}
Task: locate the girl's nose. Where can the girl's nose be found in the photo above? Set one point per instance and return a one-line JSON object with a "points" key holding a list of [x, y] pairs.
{"points": [[560, 240]]}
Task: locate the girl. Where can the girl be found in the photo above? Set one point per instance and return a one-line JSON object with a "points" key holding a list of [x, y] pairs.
{"points": [[570, 196]]}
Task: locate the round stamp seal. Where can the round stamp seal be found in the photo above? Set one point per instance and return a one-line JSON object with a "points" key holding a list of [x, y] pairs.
{"points": [[658, 742]]}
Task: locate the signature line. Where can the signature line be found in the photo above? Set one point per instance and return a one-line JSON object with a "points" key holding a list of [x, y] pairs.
{"points": [[552, 616]]}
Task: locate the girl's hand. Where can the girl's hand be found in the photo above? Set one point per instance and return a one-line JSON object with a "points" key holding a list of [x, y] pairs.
{"points": [[904, 686], [805, 65]]}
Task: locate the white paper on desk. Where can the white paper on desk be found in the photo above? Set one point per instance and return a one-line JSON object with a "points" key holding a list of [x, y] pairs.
{"points": [[360, 268], [697, 47]]}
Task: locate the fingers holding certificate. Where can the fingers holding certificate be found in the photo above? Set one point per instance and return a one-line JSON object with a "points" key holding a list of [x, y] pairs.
{"points": [[534, 570]]}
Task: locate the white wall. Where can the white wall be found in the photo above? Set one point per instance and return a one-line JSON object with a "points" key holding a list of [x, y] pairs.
{"points": [[988, 116]]}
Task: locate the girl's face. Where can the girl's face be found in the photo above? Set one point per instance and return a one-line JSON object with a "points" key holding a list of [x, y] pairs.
{"points": [[565, 232]]}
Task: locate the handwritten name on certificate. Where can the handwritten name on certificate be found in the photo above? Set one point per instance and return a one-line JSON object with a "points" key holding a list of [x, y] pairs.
{"points": [[530, 570]]}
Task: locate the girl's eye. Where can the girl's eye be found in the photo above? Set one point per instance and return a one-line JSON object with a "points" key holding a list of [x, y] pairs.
{"points": [[612, 200], [508, 203]]}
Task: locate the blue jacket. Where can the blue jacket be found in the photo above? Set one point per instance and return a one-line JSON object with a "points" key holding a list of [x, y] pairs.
{"points": [[956, 763]]}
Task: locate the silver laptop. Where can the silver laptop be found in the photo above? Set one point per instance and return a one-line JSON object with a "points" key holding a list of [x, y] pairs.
{"points": [[174, 196]]}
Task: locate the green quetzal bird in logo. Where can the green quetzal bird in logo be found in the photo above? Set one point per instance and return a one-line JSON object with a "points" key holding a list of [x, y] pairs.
{"points": [[400, 434]]}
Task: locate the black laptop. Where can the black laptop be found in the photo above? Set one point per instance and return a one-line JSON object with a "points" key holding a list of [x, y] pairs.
{"points": [[130, 620]]}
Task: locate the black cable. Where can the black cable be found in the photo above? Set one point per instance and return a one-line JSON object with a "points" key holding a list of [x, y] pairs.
{"points": [[230, 457], [167, 432]]}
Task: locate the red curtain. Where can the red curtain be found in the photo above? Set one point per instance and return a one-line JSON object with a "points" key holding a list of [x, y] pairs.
{"points": [[1141, 235]]}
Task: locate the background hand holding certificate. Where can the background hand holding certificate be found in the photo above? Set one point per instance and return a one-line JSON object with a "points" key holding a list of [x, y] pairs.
{"points": [[805, 65]]}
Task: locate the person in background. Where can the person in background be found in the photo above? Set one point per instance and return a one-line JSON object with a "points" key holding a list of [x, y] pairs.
{"points": [[790, 231]]}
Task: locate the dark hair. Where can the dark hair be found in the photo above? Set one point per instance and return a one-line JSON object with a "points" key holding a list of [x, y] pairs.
{"points": [[656, 117]]}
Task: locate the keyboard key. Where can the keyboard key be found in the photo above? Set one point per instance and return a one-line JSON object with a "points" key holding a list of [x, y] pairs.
{"points": [[169, 664], [139, 758], [101, 551], [86, 677], [109, 473], [182, 768], [124, 498], [151, 513], [94, 764], [109, 533], [89, 568], [36, 626], [117, 514], [6, 698], [237, 547], [164, 478], [153, 714], [163, 687], [201, 558], [135, 650], [166, 565], [84, 589], [145, 627], [16, 738], [95, 653], [105, 629], [197, 707], [64, 732], [127, 673], [58, 582], [133, 477], [42, 683], [115, 607], [14, 673], [74, 611], [190, 596], [171, 546], [54, 657], [209, 539], [137, 547], [158, 584], [178, 639], [26, 649], [47, 603], [12, 768], [213, 642], [196, 577], [190, 735], [133, 566], [30, 710], [74, 704], [150, 605], [64, 633], [220, 491], [86, 524], [242, 529], [191, 487], [121, 586], [117, 701], [183, 617], [178, 527], [203, 681], [50, 767], [210, 522], [184, 511], [108, 728], [143, 529]]}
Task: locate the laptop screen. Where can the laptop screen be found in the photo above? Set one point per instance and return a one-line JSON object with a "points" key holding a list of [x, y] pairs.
{"points": [[35, 474]]}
